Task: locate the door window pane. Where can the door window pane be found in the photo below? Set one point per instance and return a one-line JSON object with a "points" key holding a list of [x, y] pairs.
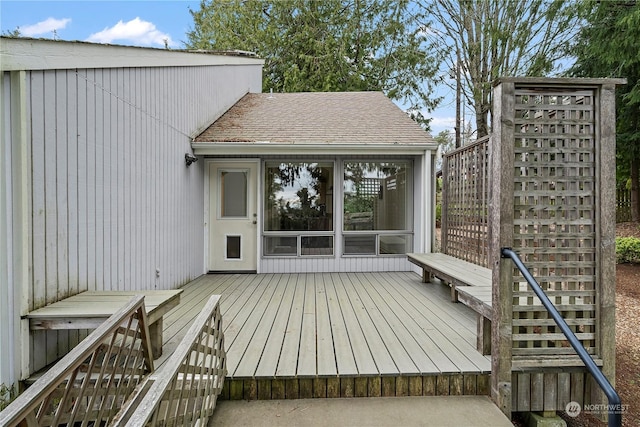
{"points": [[298, 196], [233, 194], [377, 196]]}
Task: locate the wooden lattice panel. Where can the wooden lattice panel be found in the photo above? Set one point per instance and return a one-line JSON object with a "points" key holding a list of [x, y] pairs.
{"points": [[184, 391], [555, 218], [465, 203], [94, 380]]}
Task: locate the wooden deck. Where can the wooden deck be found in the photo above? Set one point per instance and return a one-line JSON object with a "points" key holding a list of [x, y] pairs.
{"points": [[337, 334]]}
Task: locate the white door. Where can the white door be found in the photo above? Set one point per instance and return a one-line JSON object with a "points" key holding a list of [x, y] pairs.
{"points": [[233, 216]]}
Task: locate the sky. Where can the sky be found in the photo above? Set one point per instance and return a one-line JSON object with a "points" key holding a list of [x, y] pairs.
{"points": [[150, 23]]}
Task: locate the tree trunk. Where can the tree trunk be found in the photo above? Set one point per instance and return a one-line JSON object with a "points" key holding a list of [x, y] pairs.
{"points": [[482, 121], [635, 188]]}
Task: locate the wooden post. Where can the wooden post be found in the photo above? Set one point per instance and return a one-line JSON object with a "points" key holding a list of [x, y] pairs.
{"points": [[501, 159], [444, 223], [606, 279]]}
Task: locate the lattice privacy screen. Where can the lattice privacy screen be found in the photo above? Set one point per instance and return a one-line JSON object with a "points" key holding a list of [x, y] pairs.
{"points": [[465, 203], [554, 217]]}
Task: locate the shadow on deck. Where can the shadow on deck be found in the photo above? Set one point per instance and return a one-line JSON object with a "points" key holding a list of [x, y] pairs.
{"points": [[337, 335]]}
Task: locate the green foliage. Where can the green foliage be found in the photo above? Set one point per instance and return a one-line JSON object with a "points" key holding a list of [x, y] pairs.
{"points": [[628, 250], [446, 143], [608, 46], [488, 39], [329, 45], [7, 395], [356, 204]]}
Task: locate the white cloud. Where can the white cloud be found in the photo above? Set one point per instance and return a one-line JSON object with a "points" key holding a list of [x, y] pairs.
{"points": [[47, 26], [136, 31]]}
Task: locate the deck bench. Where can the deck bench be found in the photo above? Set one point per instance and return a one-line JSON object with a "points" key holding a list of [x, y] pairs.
{"points": [[87, 310], [470, 284]]}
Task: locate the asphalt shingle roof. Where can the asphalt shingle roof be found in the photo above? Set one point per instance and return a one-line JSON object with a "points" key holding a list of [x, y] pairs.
{"points": [[316, 118]]}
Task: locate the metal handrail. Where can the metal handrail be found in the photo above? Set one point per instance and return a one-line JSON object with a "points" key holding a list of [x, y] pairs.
{"points": [[615, 404]]}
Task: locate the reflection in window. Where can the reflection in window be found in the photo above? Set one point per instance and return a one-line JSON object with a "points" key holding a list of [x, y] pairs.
{"points": [[360, 244], [281, 245], [298, 196], [376, 196], [316, 245]]}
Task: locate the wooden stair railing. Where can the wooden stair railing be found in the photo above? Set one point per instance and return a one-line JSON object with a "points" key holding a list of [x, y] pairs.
{"points": [[184, 391], [94, 380]]}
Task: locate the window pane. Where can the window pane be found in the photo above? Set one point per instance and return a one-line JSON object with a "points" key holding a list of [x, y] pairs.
{"points": [[360, 244], [233, 247], [298, 196], [281, 245], [376, 196], [394, 244], [317, 245], [233, 194]]}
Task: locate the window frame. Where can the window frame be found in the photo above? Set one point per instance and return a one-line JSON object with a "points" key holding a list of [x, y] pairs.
{"points": [[409, 210], [299, 234]]}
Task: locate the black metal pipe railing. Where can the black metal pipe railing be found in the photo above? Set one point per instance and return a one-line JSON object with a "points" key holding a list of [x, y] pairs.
{"points": [[615, 404]]}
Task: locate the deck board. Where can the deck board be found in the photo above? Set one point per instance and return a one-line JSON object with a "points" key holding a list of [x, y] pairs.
{"points": [[326, 360], [307, 355], [271, 354], [364, 359], [344, 356], [312, 325], [288, 364]]}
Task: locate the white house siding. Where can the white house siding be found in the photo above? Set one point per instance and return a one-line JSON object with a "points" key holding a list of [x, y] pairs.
{"points": [[13, 207], [113, 205]]}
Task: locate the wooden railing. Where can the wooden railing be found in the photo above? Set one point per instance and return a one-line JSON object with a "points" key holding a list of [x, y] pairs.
{"points": [[92, 382], [184, 391], [623, 205], [465, 192]]}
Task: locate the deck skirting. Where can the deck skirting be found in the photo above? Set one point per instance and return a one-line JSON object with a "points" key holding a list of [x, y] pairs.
{"points": [[370, 386]]}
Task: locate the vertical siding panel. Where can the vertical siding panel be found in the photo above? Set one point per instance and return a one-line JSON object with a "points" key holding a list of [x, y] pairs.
{"points": [[71, 104], [120, 183], [101, 183], [51, 208], [114, 165], [62, 201], [129, 131], [39, 213], [83, 210], [155, 165], [92, 168], [141, 152], [149, 193]]}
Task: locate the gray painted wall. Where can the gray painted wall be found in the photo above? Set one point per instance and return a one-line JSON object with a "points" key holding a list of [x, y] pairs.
{"points": [[111, 204]]}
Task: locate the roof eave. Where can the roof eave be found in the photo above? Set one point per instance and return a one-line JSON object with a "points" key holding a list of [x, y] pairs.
{"points": [[270, 148]]}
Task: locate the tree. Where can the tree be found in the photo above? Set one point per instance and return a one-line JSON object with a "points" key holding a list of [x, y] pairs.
{"points": [[446, 143], [15, 33], [329, 45], [487, 39], [608, 46]]}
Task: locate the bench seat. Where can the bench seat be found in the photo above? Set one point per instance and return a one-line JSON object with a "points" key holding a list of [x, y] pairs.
{"points": [[87, 310], [470, 284]]}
